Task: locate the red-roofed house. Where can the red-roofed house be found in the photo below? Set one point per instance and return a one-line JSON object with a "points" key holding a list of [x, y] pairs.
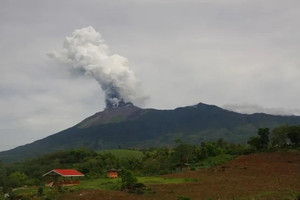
{"points": [[63, 177]]}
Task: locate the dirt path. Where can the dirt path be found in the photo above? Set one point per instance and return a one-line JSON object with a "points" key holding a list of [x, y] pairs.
{"points": [[258, 176]]}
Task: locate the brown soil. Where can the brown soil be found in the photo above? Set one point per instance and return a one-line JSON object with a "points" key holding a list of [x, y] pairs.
{"points": [[273, 176]]}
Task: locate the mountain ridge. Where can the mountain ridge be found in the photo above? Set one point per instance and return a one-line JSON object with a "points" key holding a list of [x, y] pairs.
{"points": [[131, 126]]}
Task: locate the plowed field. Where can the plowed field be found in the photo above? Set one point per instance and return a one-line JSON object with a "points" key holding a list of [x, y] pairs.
{"points": [[274, 176]]}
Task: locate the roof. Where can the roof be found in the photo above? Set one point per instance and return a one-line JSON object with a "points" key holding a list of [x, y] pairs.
{"points": [[64, 172]]}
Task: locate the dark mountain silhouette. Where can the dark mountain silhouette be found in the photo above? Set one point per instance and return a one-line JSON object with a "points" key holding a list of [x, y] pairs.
{"points": [[130, 126]]}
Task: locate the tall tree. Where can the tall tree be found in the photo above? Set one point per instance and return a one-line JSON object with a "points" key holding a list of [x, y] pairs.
{"points": [[294, 134], [184, 153], [279, 136], [264, 137], [262, 141]]}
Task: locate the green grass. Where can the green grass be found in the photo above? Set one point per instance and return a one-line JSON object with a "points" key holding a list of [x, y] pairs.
{"points": [[114, 184], [124, 153], [100, 183], [31, 190], [162, 180], [214, 161], [97, 184], [105, 184]]}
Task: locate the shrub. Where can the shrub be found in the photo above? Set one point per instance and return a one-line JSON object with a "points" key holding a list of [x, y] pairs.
{"points": [[130, 184], [40, 191], [17, 179], [183, 198], [193, 169], [128, 179], [60, 189]]}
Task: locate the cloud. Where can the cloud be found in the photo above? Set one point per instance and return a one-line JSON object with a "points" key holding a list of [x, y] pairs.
{"points": [[252, 108], [37, 98]]}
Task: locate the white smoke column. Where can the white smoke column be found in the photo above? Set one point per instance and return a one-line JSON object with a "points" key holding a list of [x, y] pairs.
{"points": [[86, 51]]}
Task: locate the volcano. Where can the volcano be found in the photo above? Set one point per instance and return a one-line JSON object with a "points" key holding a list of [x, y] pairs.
{"points": [[128, 126]]}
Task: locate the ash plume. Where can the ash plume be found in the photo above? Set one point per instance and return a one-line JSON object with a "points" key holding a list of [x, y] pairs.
{"points": [[86, 51]]}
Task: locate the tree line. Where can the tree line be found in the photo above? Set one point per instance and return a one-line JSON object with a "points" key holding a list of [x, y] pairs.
{"points": [[280, 137]]}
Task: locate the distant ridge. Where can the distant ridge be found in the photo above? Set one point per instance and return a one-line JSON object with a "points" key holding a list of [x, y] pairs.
{"points": [[130, 126]]}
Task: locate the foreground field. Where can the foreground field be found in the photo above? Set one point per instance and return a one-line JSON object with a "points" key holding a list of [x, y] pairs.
{"points": [[258, 176]]}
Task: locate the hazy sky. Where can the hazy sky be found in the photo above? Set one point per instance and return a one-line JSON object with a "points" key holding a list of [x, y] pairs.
{"points": [[239, 54]]}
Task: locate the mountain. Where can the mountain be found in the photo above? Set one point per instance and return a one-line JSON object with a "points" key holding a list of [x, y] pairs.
{"points": [[130, 126]]}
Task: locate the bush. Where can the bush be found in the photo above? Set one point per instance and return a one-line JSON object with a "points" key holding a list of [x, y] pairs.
{"points": [[260, 142], [40, 191], [193, 169], [128, 179], [17, 179], [12, 195], [130, 184], [60, 189]]}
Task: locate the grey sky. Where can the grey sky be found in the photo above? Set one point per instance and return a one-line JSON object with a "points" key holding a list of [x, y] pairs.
{"points": [[237, 53]]}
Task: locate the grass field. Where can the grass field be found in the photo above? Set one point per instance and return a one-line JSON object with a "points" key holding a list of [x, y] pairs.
{"points": [[100, 184], [114, 184]]}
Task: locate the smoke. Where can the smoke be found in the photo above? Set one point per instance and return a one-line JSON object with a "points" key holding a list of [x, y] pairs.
{"points": [[86, 51], [253, 108]]}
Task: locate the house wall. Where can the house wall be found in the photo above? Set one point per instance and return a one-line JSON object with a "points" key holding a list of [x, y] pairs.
{"points": [[112, 174], [62, 183]]}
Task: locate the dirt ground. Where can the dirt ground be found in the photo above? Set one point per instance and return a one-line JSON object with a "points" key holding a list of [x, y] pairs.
{"points": [[270, 176]]}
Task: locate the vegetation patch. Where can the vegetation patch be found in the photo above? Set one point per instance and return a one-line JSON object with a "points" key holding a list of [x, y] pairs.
{"points": [[165, 180], [123, 153], [99, 183], [216, 160]]}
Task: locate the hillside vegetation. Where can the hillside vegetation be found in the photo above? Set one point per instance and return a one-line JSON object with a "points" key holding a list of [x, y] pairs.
{"points": [[133, 127], [123, 154]]}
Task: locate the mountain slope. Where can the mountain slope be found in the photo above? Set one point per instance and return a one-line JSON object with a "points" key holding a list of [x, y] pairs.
{"points": [[130, 126]]}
